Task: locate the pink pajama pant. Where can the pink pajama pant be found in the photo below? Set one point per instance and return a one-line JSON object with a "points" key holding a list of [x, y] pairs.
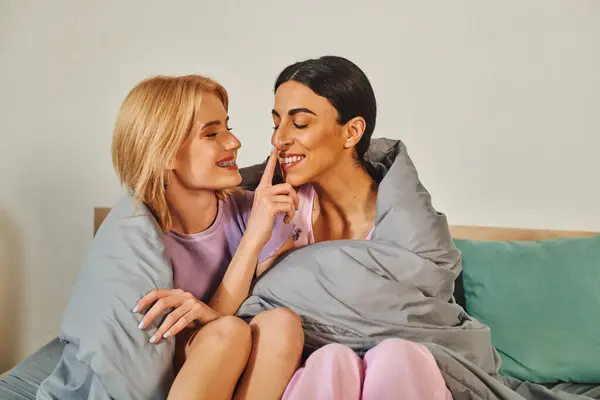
{"points": [[394, 369]]}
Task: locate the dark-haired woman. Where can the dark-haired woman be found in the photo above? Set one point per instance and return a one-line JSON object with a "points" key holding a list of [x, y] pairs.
{"points": [[324, 115]]}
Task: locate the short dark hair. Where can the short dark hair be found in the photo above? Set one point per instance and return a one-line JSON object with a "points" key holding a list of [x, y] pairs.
{"points": [[345, 86]]}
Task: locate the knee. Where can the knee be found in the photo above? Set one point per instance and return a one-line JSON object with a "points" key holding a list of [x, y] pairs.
{"points": [[279, 318], [281, 328], [401, 349], [228, 331], [330, 353]]}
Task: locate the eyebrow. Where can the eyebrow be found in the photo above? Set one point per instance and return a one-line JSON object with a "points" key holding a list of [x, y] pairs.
{"points": [[212, 123], [295, 111]]}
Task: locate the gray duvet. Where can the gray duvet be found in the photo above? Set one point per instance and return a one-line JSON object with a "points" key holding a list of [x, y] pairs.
{"points": [[400, 284], [357, 293]]}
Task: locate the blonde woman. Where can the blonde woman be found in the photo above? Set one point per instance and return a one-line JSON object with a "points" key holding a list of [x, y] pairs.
{"points": [[173, 147]]}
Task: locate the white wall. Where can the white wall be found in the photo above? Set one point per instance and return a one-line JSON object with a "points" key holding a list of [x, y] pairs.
{"points": [[498, 102]]}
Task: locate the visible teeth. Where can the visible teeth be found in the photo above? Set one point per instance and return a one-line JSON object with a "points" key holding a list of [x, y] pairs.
{"points": [[289, 160], [227, 164]]}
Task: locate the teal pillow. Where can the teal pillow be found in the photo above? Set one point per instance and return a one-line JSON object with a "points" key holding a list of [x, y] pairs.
{"points": [[541, 300]]}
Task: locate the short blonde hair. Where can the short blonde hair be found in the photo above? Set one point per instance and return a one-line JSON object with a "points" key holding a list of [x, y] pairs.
{"points": [[153, 122]]}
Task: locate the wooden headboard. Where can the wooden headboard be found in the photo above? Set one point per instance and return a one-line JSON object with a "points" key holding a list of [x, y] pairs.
{"points": [[458, 231]]}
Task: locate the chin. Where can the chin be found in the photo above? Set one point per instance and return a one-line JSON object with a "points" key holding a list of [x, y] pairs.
{"points": [[236, 179], [296, 179], [228, 180]]}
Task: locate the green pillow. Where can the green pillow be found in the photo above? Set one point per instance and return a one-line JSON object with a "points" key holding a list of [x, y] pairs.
{"points": [[541, 300]]}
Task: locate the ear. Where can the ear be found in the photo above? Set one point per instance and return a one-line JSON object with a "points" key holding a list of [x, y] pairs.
{"points": [[353, 131]]}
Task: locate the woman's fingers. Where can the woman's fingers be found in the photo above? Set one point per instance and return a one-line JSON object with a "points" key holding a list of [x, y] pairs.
{"points": [[161, 305], [166, 328], [199, 312], [281, 198], [285, 207], [283, 189], [185, 321], [267, 177], [153, 296], [275, 204], [187, 310], [203, 313], [183, 317]]}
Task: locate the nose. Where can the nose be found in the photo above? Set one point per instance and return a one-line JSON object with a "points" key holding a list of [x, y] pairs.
{"points": [[281, 138], [232, 142]]}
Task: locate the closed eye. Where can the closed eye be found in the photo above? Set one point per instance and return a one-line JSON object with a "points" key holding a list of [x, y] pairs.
{"points": [[300, 126], [210, 135]]}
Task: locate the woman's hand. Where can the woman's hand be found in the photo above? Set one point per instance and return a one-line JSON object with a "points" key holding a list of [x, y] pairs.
{"points": [[270, 200], [188, 312]]}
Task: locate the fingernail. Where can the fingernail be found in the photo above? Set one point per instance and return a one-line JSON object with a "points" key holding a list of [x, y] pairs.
{"points": [[136, 308], [272, 148], [153, 339], [141, 325], [167, 334]]}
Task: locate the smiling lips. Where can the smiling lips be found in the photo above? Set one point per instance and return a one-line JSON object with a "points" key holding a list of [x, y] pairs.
{"points": [[288, 161], [227, 163]]}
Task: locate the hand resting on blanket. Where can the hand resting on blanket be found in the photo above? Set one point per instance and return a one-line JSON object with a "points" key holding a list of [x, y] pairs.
{"points": [[189, 312]]}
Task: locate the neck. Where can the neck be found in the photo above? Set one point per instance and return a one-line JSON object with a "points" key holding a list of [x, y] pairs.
{"points": [[347, 190], [192, 211]]}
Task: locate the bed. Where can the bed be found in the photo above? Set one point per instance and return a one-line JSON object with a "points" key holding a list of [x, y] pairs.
{"points": [[21, 382]]}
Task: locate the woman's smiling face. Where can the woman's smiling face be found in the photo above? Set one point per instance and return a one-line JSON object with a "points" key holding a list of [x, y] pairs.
{"points": [[207, 158], [307, 133]]}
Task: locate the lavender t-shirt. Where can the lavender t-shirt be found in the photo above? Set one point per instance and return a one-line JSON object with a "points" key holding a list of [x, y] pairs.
{"points": [[200, 260]]}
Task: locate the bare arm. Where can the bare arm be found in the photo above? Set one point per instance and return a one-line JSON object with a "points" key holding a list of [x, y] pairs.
{"points": [[235, 286], [269, 201], [265, 265]]}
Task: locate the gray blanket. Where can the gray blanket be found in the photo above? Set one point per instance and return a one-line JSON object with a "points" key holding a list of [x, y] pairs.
{"points": [[397, 285]]}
